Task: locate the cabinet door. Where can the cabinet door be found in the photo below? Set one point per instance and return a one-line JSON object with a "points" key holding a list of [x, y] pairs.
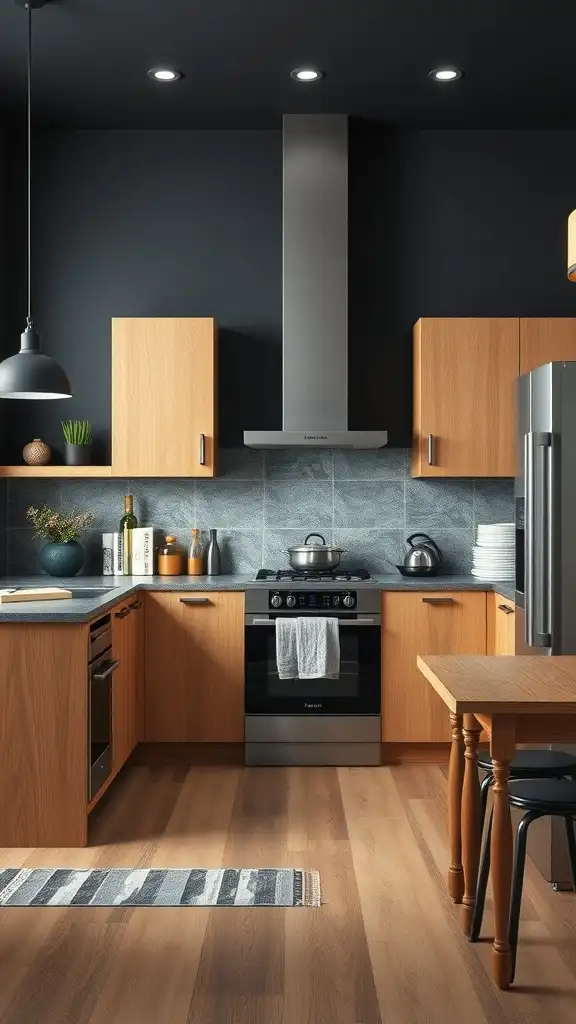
{"points": [[128, 680], [464, 396], [501, 625], [424, 623], [163, 396], [195, 667], [545, 340]]}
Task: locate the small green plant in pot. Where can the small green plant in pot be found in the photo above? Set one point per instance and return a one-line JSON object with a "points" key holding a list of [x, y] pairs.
{"points": [[78, 442], [62, 555]]}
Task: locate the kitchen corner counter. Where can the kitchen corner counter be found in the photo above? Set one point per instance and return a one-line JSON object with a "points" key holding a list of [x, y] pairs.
{"points": [[82, 610]]}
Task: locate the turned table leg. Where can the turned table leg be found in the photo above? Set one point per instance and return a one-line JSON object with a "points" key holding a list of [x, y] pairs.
{"points": [[455, 783], [470, 819], [502, 745]]}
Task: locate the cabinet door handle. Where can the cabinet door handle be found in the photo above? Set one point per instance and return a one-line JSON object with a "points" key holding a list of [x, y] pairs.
{"points": [[195, 600], [431, 450], [122, 613], [110, 668], [504, 608], [136, 604], [437, 600], [202, 459]]}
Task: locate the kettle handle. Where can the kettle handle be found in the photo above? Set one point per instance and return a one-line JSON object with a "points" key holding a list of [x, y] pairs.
{"points": [[431, 542], [315, 535]]}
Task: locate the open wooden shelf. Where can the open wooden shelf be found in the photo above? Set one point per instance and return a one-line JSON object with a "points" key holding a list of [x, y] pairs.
{"points": [[54, 471]]}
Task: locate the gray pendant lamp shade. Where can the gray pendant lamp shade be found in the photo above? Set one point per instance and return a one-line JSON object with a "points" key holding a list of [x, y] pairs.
{"points": [[30, 373]]}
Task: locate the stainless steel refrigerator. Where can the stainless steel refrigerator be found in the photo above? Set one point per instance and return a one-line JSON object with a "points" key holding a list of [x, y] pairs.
{"points": [[545, 502]]}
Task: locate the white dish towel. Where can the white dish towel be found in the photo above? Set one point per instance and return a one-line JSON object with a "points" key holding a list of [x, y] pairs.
{"points": [[286, 648], [318, 648]]}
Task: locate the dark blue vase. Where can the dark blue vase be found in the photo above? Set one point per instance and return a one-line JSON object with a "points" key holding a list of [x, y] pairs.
{"points": [[62, 559]]}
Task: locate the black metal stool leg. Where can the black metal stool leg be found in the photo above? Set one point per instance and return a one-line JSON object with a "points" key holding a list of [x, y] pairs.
{"points": [[571, 837], [481, 886], [517, 882], [484, 790]]}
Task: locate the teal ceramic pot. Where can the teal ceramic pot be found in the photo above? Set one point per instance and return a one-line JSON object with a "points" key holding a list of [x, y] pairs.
{"points": [[62, 559]]}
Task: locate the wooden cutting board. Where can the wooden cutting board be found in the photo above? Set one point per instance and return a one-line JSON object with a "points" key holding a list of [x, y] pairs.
{"points": [[34, 594]]}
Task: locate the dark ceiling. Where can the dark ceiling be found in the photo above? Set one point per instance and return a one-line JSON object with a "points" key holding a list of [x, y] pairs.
{"points": [[91, 58]]}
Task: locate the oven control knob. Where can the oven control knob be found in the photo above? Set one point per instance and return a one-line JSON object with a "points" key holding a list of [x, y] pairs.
{"points": [[336, 599], [348, 601], [290, 601], [276, 601]]}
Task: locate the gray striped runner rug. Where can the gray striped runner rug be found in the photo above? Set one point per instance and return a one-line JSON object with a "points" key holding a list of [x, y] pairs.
{"points": [[153, 887]]}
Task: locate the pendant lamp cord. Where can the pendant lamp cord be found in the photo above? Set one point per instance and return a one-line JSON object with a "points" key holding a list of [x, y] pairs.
{"points": [[29, 154]]}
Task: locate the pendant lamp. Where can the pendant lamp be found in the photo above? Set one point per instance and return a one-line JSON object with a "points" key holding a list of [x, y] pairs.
{"points": [[30, 373], [572, 246]]}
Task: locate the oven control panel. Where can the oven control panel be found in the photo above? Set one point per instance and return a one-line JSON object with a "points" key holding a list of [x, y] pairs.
{"points": [[312, 600]]}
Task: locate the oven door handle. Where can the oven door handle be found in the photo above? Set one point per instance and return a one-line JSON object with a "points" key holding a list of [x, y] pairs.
{"points": [[341, 622]]}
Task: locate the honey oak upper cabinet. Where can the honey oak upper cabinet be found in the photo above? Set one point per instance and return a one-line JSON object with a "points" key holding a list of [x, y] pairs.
{"points": [[501, 615], [546, 340], [464, 386], [195, 667], [424, 622], [164, 384]]}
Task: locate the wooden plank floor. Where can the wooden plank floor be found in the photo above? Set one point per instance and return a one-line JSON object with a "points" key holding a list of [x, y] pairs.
{"points": [[385, 949]]}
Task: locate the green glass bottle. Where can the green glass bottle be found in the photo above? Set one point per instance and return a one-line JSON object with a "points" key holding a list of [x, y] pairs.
{"points": [[127, 524]]}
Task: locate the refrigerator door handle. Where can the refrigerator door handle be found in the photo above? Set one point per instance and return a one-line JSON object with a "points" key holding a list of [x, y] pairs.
{"points": [[537, 537]]}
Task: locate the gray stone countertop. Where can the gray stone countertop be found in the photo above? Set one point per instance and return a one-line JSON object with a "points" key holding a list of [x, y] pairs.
{"points": [[117, 588]]}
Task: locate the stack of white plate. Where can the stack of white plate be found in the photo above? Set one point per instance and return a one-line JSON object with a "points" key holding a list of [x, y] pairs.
{"points": [[494, 557]]}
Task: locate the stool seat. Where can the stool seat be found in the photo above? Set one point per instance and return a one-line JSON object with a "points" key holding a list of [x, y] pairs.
{"points": [[528, 763], [549, 796]]}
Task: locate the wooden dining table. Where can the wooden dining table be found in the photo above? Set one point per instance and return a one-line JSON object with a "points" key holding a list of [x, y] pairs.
{"points": [[516, 700]]}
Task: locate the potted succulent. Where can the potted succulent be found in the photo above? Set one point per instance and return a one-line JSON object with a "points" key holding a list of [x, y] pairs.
{"points": [[62, 555], [78, 437]]}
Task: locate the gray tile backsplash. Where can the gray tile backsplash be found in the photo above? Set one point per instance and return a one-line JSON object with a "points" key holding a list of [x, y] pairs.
{"points": [[264, 502]]}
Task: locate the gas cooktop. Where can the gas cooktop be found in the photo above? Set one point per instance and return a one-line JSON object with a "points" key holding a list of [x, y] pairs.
{"points": [[312, 576]]}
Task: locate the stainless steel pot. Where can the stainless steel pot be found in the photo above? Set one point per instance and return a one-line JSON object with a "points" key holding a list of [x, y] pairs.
{"points": [[315, 556]]}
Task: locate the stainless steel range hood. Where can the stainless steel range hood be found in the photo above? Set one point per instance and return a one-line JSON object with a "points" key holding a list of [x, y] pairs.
{"points": [[315, 290]]}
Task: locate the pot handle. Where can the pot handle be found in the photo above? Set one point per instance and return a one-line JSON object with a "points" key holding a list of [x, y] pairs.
{"points": [[431, 542], [319, 535]]}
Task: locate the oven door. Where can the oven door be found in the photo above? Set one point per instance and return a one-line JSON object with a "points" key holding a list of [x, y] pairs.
{"points": [[100, 721], [355, 692]]}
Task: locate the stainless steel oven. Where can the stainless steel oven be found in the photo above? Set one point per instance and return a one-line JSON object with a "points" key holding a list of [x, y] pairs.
{"points": [[101, 668], [314, 721]]}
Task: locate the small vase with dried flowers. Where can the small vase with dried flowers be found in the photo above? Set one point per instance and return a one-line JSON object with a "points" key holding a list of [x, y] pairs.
{"points": [[62, 555]]}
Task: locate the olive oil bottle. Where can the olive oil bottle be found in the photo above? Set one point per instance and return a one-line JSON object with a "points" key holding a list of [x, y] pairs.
{"points": [[127, 524]]}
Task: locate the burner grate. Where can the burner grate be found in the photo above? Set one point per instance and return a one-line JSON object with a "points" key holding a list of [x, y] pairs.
{"points": [[312, 575]]}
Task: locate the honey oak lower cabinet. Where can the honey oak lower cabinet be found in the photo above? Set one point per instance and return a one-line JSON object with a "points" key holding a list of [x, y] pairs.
{"points": [[128, 680], [195, 667], [424, 622], [501, 636]]}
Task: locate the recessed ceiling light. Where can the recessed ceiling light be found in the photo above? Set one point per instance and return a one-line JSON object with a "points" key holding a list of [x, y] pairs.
{"points": [[307, 74], [164, 74], [445, 74]]}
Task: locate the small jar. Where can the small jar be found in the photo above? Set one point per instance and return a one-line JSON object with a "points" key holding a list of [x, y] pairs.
{"points": [[170, 559]]}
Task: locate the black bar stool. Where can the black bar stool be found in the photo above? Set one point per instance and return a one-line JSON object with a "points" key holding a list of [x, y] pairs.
{"points": [[539, 798], [527, 764]]}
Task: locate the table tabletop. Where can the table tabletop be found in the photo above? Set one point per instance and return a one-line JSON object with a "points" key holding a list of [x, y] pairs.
{"points": [[500, 685]]}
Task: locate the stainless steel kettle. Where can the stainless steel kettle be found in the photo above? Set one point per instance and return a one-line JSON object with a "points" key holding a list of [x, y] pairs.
{"points": [[422, 559]]}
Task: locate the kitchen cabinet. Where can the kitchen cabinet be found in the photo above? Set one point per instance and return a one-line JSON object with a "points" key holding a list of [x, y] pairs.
{"points": [[546, 340], [500, 622], [164, 405], [195, 667], [465, 371], [424, 622], [128, 685]]}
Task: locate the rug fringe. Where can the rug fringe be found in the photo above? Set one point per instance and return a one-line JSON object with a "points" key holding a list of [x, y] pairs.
{"points": [[312, 893]]}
